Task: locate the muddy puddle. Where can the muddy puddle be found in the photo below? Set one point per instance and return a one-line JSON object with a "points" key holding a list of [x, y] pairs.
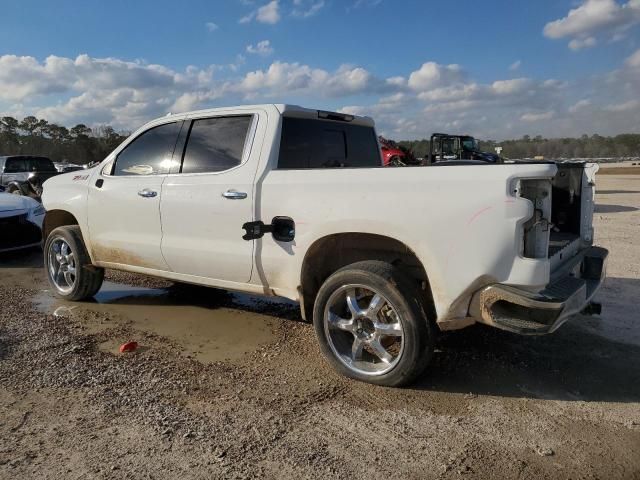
{"points": [[204, 324]]}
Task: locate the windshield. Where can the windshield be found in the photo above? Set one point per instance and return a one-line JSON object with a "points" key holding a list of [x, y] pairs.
{"points": [[470, 144]]}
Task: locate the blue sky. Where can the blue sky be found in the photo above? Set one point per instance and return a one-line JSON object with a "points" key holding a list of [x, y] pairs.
{"points": [[496, 69]]}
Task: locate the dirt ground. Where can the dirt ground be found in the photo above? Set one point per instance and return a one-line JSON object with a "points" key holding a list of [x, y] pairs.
{"points": [[231, 386]]}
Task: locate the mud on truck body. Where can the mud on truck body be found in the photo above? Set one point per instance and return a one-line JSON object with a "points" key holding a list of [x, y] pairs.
{"points": [[282, 200]]}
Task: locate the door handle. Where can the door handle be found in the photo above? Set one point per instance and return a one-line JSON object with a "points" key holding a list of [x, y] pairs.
{"points": [[233, 195], [147, 193]]}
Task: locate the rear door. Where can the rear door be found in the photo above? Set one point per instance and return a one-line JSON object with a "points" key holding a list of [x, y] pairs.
{"points": [[205, 205], [124, 200]]}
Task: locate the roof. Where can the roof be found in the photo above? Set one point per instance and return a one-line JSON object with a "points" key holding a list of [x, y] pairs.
{"points": [[289, 110], [22, 156]]}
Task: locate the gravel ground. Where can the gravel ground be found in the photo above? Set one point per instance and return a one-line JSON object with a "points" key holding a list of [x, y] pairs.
{"points": [[492, 405]]}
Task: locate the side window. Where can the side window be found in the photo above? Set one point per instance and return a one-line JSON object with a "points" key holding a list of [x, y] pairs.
{"points": [[150, 153], [15, 165], [296, 143], [309, 143], [215, 144]]}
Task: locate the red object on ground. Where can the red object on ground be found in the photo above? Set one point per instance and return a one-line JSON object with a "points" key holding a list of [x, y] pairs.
{"points": [[128, 347]]}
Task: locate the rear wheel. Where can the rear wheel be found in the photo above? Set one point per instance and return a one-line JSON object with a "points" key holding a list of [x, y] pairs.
{"points": [[371, 324], [68, 265]]}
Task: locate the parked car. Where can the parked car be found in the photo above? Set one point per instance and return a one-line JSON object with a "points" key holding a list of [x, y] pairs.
{"points": [[282, 200], [25, 174], [20, 222], [462, 148]]}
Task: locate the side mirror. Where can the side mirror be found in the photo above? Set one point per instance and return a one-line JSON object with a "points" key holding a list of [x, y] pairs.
{"points": [[283, 229]]}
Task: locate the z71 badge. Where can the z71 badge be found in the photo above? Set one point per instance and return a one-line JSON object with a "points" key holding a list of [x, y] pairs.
{"points": [[80, 177]]}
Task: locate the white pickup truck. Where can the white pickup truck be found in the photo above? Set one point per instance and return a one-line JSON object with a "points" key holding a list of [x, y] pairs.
{"points": [[282, 200]]}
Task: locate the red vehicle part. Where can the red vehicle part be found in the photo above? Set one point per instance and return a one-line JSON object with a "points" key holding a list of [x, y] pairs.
{"points": [[391, 154]]}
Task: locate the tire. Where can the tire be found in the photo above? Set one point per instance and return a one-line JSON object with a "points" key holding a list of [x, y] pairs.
{"points": [[86, 280], [401, 319]]}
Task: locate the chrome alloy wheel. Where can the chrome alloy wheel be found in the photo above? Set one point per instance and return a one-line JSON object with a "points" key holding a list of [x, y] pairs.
{"points": [[61, 265], [363, 330]]}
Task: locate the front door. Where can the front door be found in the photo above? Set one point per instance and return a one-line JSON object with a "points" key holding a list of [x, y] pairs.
{"points": [[124, 201], [205, 205]]}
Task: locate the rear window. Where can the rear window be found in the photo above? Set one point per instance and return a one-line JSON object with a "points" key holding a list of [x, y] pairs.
{"points": [[29, 164], [309, 143], [40, 164]]}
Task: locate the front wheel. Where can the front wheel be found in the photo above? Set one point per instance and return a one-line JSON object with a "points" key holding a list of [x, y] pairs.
{"points": [[371, 324], [68, 265]]}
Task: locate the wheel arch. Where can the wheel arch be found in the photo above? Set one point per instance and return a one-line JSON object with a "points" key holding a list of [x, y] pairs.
{"points": [[334, 251], [56, 218]]}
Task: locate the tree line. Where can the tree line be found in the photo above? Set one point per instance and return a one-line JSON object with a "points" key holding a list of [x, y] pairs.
{"points": [[79, 144], [594, 146]]}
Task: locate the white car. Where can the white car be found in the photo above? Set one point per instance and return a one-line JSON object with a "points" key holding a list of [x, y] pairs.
{"points": [[282, 200], [20, 222]]}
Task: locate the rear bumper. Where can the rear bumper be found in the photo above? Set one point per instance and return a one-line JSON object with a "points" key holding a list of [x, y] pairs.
{"points": [[520, 311]]}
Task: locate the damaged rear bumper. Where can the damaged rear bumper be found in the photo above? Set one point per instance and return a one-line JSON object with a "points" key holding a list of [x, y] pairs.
{"points": [[520, 311]]}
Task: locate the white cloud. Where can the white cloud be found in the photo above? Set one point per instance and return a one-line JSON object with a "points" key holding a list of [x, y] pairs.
{"points": [[397, 81], [580, 43], [515, 65], [269, 13], [263, 48], [365, 3], [630, 105], [579, 105], [306, 8], [592, 17], [511, 87], [634, 60], [537, 117], [409, 104], [90, 90], [239, 62], [283, 78], [21, 77], [432, 75], [212, 27]]}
